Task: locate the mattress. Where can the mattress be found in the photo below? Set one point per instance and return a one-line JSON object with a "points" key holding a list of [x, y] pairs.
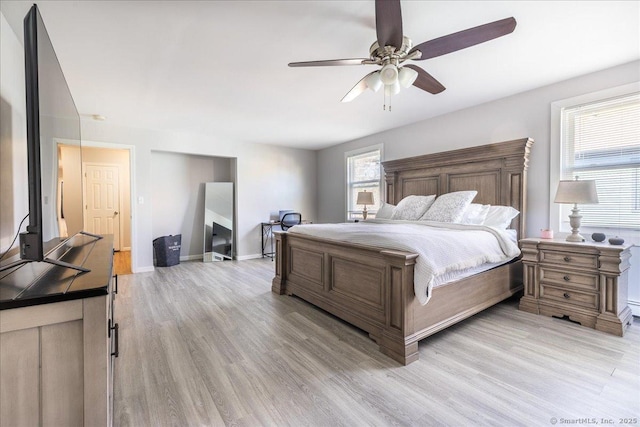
{"points": [[446, 251]]}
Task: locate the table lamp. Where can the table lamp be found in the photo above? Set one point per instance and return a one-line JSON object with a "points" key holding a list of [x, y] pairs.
{"points": [[364, 198], [583, 192]]}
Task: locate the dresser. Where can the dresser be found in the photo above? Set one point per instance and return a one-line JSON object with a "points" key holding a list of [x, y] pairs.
{"points": [[58, 339], [584, 282]]}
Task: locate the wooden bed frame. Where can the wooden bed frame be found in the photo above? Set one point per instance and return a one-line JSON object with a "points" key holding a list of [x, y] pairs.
{"points": [[373, 289]]}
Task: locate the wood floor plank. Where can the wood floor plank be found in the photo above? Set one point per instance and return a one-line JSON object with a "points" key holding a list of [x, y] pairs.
{"points": [[210, 344]]}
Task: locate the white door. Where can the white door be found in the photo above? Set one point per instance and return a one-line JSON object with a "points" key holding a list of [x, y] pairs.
{"points": [[102, 201]]}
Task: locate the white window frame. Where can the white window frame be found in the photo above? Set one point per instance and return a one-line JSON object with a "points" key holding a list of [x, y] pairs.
{"points": [[347, 155], [555, 215]]}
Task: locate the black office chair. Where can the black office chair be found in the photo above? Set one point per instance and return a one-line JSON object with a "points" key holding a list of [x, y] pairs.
{"points": [[290, 219]]}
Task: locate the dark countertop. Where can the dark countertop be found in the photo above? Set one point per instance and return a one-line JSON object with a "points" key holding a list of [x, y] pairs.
{"points": [[41, 283]]}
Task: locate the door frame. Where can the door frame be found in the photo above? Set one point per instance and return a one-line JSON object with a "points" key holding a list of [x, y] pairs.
{"points": [[120, 198]]}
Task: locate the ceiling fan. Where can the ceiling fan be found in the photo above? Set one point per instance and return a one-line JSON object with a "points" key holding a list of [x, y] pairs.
{"points": [[392, 49]]}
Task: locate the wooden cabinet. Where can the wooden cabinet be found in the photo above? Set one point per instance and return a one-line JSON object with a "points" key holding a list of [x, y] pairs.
{"points": [[586, 282], [56, 358]]}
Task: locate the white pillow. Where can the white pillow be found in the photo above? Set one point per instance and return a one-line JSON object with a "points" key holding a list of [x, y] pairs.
{"points": [[412, 207], [475, 214], [500, 216], [449, 207], [385, 211]]}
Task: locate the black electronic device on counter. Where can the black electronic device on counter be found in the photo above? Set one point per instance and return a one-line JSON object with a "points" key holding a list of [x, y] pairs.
{"points": [[52, 122]]}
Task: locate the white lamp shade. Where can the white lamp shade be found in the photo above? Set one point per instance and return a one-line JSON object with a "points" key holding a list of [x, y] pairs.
{"points": [[582, 192], [393, 89], [407, 76], [365, 198], [389, 74], [373, 81]]}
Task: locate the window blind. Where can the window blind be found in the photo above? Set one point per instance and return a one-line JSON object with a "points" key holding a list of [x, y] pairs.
{"points": [[601, 141], [363, 173]]}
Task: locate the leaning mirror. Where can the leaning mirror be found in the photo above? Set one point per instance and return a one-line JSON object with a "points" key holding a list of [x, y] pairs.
{"points": [[218, 221]]}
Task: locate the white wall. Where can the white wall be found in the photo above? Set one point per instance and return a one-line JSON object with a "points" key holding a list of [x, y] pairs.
{"points": [[177, 195], [268, 179], [522, 115]]}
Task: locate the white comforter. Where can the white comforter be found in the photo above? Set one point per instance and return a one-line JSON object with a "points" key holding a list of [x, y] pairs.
{"points": [[442, 247]]}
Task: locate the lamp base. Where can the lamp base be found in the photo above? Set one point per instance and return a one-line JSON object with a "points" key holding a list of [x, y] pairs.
{"points": [[575, 237], [574, 221]]}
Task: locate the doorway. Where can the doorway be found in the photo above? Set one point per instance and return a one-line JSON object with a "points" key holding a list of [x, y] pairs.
{"points": [[98, 153], [109, 162], [101, 193]]}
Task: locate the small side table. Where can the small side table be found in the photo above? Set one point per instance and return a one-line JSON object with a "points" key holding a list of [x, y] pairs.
{"points": [[266, 234], [586, 282]]}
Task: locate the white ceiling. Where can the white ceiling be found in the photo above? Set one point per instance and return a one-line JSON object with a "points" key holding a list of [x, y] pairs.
{"points": [[220, 68]]}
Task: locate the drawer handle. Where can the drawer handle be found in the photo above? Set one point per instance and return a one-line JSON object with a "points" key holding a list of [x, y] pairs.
{"points": [[567, 278], [566, 295], [116, 329], [567, 259]]}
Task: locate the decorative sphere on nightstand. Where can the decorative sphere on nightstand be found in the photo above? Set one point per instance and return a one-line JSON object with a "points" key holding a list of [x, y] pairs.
{"points": [[598, 237], [616, 240]]}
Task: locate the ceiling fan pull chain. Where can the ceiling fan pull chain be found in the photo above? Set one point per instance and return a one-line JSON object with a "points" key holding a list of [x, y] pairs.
{"points": [[387, 92]]}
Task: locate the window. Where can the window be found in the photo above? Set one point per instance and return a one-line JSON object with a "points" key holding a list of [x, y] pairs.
{"points": [[363, 173], [600, 140]]}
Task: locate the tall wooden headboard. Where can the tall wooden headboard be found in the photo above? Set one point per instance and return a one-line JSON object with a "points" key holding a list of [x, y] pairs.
{"points": [[498, 172]]}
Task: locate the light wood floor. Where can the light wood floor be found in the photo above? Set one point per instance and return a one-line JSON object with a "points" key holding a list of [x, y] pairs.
{"points": [[122, 262], [208, 344]]}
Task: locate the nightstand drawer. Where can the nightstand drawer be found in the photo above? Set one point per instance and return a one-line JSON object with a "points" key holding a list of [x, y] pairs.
{"points": [[569, 259], [575, 298], [587, 282]]}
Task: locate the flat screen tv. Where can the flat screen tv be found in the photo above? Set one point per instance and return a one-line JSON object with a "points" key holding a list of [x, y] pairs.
{"points": [[53, 123]]}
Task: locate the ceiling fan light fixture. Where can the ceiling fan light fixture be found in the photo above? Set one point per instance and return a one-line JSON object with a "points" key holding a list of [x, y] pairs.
{"points": [[389, 74], [373, 81], [406, 76]]}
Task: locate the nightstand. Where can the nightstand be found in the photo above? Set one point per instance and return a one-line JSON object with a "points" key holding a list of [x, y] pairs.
{"points": [[586, 282]]}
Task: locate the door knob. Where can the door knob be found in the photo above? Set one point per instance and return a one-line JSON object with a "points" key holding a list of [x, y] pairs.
{"points": [[115, 213]]}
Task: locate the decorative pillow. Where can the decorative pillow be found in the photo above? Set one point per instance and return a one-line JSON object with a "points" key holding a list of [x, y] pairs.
{"points": [[500, 216], [412, 207], [475, 214], [449, 207], [385, 211]]}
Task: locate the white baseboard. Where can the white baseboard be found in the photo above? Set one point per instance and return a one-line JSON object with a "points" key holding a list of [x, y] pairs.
{"points": [[635, 307], [246, 257], [149, 269]]}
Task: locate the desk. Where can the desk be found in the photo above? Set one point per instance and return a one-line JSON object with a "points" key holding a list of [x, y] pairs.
{"points": [[266, 234]]}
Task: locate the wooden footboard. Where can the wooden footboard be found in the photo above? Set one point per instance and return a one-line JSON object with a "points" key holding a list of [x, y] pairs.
{"points": [[373, 290], [367, 287]]}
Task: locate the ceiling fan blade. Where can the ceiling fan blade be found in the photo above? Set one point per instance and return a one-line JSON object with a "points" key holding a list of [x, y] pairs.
{"points": [[464, 39], [360, 87], [426, 81], [389, 23], [330, 62]]}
